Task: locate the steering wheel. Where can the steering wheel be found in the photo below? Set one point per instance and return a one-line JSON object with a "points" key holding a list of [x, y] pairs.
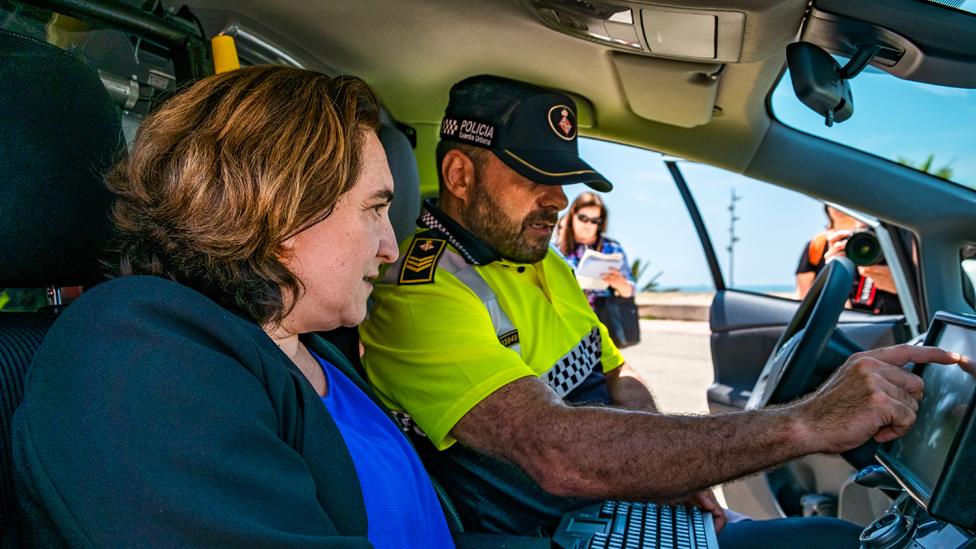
{"points": [[790, 368]]}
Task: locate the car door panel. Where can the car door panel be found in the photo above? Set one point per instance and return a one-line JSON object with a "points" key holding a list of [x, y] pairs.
{"points": [[745, 327]]}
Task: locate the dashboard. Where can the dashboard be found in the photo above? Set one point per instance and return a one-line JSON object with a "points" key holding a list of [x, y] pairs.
{"points": [[932, 469]]}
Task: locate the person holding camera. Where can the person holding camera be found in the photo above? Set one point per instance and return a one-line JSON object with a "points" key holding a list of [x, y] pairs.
{"points": [[874, 288]]}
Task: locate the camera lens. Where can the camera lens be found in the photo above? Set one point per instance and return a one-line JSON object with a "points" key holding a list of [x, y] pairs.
{"points": [[863, 248]]}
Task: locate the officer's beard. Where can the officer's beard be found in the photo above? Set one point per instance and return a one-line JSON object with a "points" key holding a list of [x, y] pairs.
{"points": [[485, 218]]}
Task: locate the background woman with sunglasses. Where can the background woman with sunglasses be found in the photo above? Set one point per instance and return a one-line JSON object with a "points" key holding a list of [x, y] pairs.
{"points": [[583, 228]]}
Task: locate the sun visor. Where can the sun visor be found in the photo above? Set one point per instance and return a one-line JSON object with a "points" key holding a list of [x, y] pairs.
{"points": [[673, 92]]}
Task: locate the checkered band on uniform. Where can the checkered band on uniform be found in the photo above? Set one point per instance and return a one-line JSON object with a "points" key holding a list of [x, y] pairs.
{"points": [[568, 372], [576, 365], [407, 424], [431, 222]]}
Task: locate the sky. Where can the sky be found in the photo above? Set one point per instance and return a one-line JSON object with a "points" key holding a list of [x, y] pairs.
{"points": [[968, 5], [892, 118]]}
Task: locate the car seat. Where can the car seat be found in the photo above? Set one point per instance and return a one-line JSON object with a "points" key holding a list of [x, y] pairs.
{"points": [[58, 134], [404, 211], [405, 208]]}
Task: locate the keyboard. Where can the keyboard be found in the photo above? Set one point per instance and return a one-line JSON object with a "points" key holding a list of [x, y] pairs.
{"points": [[629, 525]]}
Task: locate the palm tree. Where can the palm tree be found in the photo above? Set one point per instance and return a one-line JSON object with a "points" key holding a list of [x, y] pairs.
{"points": [[945, 172], [637, 270]]}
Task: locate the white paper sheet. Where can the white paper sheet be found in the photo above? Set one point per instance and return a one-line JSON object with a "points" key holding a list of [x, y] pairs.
{"points": [[593, 265]]}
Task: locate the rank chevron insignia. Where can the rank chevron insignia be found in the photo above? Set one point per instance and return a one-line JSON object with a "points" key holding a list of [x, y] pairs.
{"points": [[420, 263], [417, 265]]}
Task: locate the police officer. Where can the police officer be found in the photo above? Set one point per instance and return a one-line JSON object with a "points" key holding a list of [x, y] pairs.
{"points": [[480, 337]]}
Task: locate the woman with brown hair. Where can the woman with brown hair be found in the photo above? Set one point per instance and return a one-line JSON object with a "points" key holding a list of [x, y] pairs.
{"points": [[187, 402], [583, 229]]}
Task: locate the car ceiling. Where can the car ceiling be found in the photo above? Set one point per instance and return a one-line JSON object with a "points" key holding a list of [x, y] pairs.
{"points": [[413, 51]]}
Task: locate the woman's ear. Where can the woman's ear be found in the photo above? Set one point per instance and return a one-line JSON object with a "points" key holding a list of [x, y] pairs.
{"points": [[458, 173], [286, 248]]}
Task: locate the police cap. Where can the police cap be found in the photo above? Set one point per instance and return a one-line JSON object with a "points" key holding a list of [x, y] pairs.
{"points": [[531, 129]]}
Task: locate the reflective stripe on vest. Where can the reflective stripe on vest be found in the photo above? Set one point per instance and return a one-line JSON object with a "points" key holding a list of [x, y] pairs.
{"points": [[453, 263], [566, 374], [570, 370]]}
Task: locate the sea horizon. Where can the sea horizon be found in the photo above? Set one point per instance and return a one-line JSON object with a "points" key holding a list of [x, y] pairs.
{"points": [[708, 288]]}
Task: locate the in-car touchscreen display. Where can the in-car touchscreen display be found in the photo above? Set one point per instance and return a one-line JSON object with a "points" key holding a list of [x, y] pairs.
{"points": [[930, 460], [921, 454]]}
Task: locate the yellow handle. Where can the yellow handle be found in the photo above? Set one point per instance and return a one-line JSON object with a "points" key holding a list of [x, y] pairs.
{"points": [[224, 53]]}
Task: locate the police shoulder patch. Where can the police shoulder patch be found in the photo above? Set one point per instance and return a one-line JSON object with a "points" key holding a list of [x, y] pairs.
{"points": [[420, 262]]}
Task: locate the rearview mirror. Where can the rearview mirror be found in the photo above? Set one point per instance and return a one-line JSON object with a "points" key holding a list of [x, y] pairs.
{"points": [[819, 82]]}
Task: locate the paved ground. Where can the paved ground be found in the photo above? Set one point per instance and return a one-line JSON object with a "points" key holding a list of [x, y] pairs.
{"points": [[684, 298], [675, 356]]}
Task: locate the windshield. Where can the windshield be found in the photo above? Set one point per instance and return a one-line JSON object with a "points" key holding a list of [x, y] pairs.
{"points": [[926, 127]]}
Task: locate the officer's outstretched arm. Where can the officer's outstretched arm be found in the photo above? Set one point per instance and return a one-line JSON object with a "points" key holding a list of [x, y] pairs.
{"points": [[612, 453]]}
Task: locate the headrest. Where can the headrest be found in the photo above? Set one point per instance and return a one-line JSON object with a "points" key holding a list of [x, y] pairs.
{"points": [[59, 133], [405, 208]]}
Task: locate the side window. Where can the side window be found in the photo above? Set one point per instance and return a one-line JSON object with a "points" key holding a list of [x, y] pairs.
{"points": [[776, 241], [967, 263], [647, 217], [14, 300], [136, 73], [762, 233]]}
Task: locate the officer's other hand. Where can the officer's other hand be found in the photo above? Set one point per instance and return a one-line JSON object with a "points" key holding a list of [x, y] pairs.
{"points": [[870, 396], [706, 501]]}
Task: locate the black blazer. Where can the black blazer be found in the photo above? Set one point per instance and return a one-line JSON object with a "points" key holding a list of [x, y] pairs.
{"points": [[153, 416]]}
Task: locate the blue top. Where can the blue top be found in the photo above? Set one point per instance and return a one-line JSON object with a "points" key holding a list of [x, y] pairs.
{"points": [[402, 509]]}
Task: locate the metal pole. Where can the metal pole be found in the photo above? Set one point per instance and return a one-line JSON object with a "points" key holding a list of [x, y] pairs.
{"points": [[732, 238]]}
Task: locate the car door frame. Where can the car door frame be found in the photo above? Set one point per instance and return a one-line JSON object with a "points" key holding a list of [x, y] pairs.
{"points": [[758, 495]]}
